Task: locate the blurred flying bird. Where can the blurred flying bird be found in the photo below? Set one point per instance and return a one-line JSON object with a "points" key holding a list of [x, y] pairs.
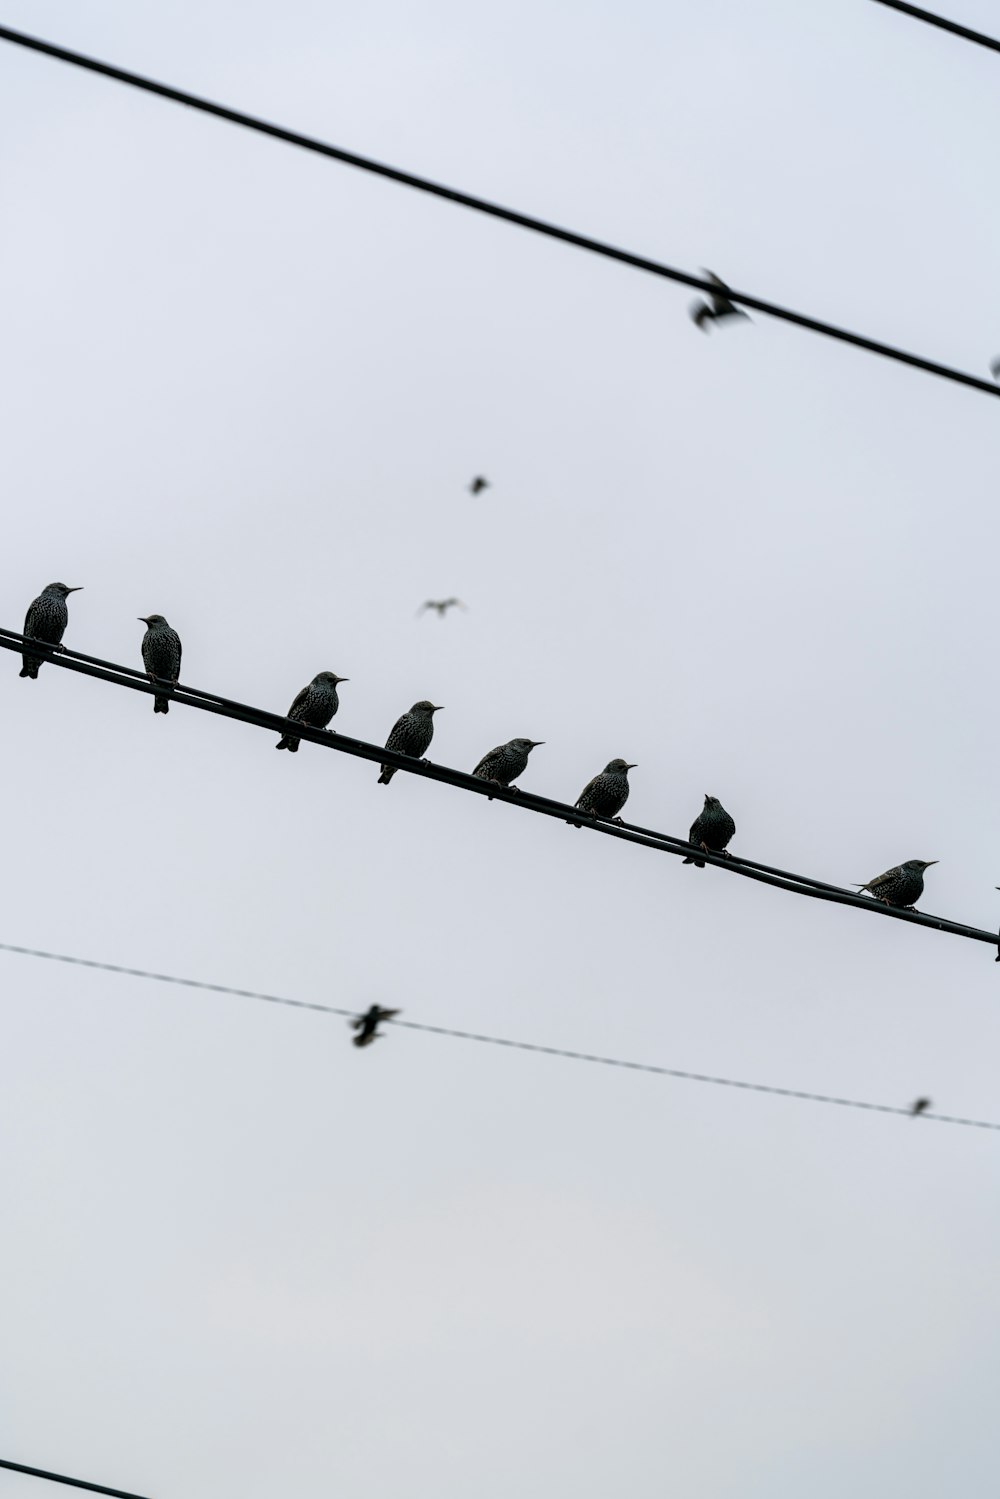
{"points": [[919, 1105], [902, 886], [505, 763], [717, 308], [161, 656], [410, 735], [46, 620], [315, 705], [607, 793], [478, 484], [711, 830], [441, 605], [367, 1024]]}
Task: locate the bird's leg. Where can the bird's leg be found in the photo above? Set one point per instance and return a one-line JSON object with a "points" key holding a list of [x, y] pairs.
{"points": [[704, 847], [619, 820]]}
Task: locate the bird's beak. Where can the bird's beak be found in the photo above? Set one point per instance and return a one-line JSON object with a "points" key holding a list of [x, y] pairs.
{"points": [[342, 679], [536, 742], [143, 619], [631, 767], [930, 862], [436, 707], [74, 590]]}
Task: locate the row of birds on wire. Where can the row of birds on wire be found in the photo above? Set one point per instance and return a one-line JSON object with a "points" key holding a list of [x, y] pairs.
{"points": [[316, 706]]}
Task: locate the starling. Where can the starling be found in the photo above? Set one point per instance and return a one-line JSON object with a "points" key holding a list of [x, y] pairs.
{"points": [[161, 656], [46, 620], [919, 1105], [505, 763], [410, 735], [478, 484], [367, 1024], [441, 605], [711, 830], [719, 306], [607, 793], [902, 886], [315, 705]]}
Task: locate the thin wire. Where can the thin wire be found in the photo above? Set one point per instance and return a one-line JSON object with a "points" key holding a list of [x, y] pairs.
{"points": [[483, 205], [666, 843], [932, 20], [77, 1483], [594, 1058]]}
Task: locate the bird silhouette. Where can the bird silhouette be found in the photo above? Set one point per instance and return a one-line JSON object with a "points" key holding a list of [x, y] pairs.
{"points": [[161, 656], [315, 705], [718, 307], [478, 484], [919, 1105], [367, 1025], [46, 620], [441, 605], [711, 831], [411, 734], [902, 886]]}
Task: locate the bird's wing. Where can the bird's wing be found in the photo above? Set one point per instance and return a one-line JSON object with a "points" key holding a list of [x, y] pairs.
{"points": [[449, 602], [299, 703], [387, 1014], [587, 790], [428, 605], [700, 312], [715, 280]]}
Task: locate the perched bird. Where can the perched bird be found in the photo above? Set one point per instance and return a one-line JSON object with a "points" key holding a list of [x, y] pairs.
{"points": [[505, 763], [46, 620], [919, 1105], [441, 605], [711, 831], [719, 306], [607, 793], [410, 735], [478, 484], [315, 705], [901, 886], [161, 656], [367, 1024]]}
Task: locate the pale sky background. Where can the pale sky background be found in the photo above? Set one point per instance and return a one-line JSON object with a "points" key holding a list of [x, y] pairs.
{"points": [[246, 388]]}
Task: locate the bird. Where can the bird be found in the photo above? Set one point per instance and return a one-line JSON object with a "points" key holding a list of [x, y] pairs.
{"points": [[719, 306], [367, 1024], [902, 886], [506, 762], [995, 368], [607, 793], [919, 1105], [711, 830], [478, 484], [315, 705], [411, 735], [161, 656], [46, 620], [441, 605]]}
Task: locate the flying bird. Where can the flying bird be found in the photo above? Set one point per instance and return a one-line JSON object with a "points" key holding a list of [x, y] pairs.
{"points": [[607, 793], [441, 605], [902, 886], [719, 306], [506, 762], [711, 831], [46, 620], [367, 1025], [161, 656], [410, 735], [315, 705], [478, 484], [919, 1105]]}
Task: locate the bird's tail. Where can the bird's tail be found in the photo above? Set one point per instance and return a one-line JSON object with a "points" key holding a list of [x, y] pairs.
{"points": [[698, 863], [30, 667], [388, 771], [161, 703], [289, 743]]}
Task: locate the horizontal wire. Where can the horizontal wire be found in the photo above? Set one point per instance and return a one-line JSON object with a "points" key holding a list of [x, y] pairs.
{"points": [[549, 1051], [192, 697], [483, 205], [76, 1483], [940, 21]]}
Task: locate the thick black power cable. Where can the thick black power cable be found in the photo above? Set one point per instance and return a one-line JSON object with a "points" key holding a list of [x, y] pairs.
{"points": [[76, 1483], [483, 205], [194, 697], [478, 1036], [932, 20]]}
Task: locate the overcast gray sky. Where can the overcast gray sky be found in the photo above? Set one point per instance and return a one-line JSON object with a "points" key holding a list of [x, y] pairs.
{"points": [[247, 388]]}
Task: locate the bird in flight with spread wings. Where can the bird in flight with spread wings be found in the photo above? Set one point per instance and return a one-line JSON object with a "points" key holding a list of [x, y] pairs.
{"points": [[441, 605], [719, 306]]}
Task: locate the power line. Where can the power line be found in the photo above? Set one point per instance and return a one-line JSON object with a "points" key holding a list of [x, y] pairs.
{"points": [[594, 1058], [666, 843], [77, 1483], [945, 25], [483, 205]]}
